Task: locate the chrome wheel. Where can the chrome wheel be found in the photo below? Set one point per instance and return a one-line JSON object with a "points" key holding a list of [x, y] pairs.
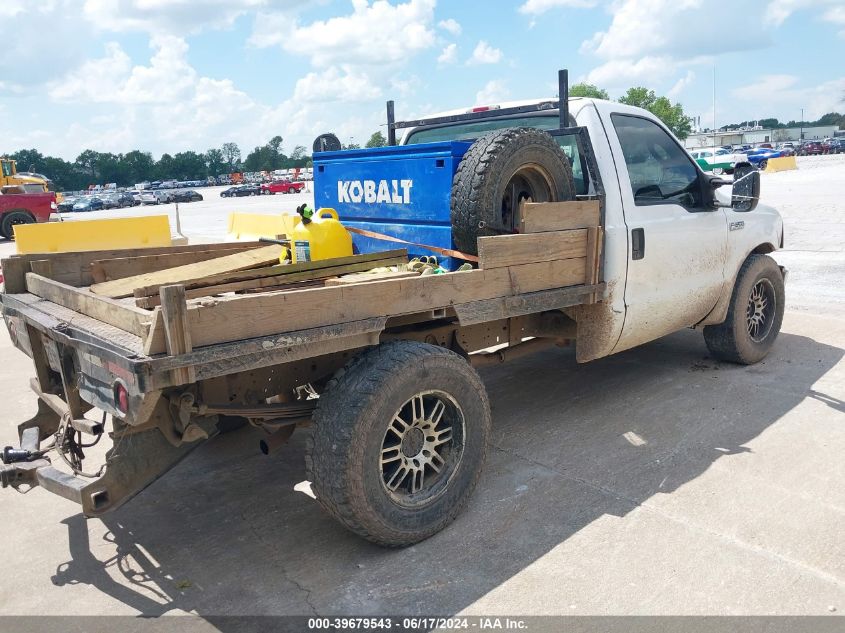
{"points": [[422, 448], [760, 313]]}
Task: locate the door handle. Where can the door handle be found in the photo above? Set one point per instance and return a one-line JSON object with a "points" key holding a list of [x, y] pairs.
{"points": [[637, 244]]}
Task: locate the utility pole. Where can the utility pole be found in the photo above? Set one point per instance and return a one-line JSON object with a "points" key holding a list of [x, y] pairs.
{"points": [[714, 107], [801, 138]]}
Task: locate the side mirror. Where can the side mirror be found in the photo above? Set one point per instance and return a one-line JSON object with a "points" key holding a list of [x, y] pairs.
{"points": [[745, 193]]}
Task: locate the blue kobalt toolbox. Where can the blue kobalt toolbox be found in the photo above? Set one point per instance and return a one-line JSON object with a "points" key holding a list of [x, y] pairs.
{"points": [[401, 191]]}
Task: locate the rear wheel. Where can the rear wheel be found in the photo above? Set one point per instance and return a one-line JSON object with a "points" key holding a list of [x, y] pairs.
{"points": [[754, 316], [762, 165], [501, 170], [13, 219], [399, 441]]}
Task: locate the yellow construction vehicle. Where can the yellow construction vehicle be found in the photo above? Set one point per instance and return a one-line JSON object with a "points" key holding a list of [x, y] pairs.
{"points": [[9, 176]]}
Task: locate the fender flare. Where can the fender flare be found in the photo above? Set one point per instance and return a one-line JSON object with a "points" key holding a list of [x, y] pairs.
{"points": [[720, 311]]}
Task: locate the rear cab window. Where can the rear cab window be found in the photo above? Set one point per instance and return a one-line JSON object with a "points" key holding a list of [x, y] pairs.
{"points": [[471, 130]]}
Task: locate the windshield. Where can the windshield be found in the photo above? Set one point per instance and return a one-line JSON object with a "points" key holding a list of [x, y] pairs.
{"points": [[471, 130]]}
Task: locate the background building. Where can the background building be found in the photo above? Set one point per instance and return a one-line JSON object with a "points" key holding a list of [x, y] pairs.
{"points": [[755, 136]]}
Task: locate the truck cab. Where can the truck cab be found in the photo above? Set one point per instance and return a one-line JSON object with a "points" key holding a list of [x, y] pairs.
{"points": [[674, 244]]}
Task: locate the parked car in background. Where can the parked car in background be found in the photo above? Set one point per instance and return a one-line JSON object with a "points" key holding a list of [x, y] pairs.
{"points": [[830, 146], [282, 186], [787, 149], [837, 146], [765, 146], [66, 205], [126, 199], [155, 197], [110, 201], [239, 191], [810, 148], [187, 195], [761, 156], [717, 161], [88, 203]]}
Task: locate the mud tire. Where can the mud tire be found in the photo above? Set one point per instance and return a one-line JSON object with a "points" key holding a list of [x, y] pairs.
{"points": [[731, 340], [351, 420], [481, 182]]}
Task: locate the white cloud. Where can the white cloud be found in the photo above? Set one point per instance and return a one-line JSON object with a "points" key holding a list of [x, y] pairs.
{"points": [[172, 16], [449, 55], [113, 79], [493, 92], [451, 26], [785, 96], [41, 41], [836, 15], [766, 86], [538, 7], [485, 54], [623, 73], [777, 11], [681, 85], [336, 83], [374, 34], [665, 27]]}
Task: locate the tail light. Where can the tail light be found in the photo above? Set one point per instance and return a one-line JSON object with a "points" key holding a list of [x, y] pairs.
{"points": [[121, 397]]}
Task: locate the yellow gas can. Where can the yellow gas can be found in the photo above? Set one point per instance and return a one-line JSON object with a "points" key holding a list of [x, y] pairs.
{"points": [[318, 237]]}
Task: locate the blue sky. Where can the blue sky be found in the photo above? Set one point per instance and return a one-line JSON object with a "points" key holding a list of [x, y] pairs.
{"points": [[170, 75]]}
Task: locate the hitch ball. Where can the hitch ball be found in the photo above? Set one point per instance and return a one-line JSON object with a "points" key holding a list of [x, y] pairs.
{"points": [[15, 455]]}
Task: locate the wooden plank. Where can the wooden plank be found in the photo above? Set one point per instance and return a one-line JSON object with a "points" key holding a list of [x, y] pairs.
{"points": [[357, 278], [42, 267], [14, 275], [538, 217], [121, 267], [103, 309], [515, 250], [385, 258], [268, 282], [74, 268], [227, 263], [249, 316], [177, 334]]}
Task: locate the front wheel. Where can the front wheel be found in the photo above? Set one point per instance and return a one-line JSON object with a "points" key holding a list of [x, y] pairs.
{"points": [[399, 441], [762, 165], [754, 316]]}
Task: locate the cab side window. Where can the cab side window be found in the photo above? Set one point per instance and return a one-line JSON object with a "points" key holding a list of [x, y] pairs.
{"points": [[659, 170]]}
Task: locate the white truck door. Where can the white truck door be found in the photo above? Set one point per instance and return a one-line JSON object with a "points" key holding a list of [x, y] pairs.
{"points": [[676, 246]]}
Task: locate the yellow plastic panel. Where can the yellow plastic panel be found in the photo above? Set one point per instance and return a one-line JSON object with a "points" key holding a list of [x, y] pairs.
{"points": [[93, 235]]}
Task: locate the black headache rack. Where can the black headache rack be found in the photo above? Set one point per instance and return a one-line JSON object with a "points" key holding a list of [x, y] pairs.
{"points": [[582, 136]]}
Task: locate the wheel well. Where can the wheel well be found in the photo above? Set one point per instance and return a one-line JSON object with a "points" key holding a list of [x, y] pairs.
{"points": [[763, 249]]}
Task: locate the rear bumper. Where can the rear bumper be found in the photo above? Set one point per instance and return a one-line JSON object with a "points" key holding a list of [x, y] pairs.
{"points": [[144, 456]]}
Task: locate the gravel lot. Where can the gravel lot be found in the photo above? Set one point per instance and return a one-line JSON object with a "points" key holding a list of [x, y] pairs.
{"points": [[656, 481]]}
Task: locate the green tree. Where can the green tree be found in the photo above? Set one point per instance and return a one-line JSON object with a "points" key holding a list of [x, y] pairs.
{"points": [[87, 160], [671, 114], [214, 162], [231, 155], [376, 140], [588, 90], [139, 166]]}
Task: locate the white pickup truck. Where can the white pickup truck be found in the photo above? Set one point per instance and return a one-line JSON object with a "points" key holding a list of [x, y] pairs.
{"points": [[384, 371]]}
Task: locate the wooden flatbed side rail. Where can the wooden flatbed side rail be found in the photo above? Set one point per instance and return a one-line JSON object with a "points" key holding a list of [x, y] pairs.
{"points": [[74, 269], [244, 317], [515, 250], [538, 217], [177, 334], [126, 317]]}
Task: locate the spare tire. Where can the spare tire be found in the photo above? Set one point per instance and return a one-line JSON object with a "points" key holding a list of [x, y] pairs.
{"points": [[501, 169]]}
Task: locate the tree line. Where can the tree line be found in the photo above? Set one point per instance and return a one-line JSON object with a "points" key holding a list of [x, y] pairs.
{"points": [[92, 167]]}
